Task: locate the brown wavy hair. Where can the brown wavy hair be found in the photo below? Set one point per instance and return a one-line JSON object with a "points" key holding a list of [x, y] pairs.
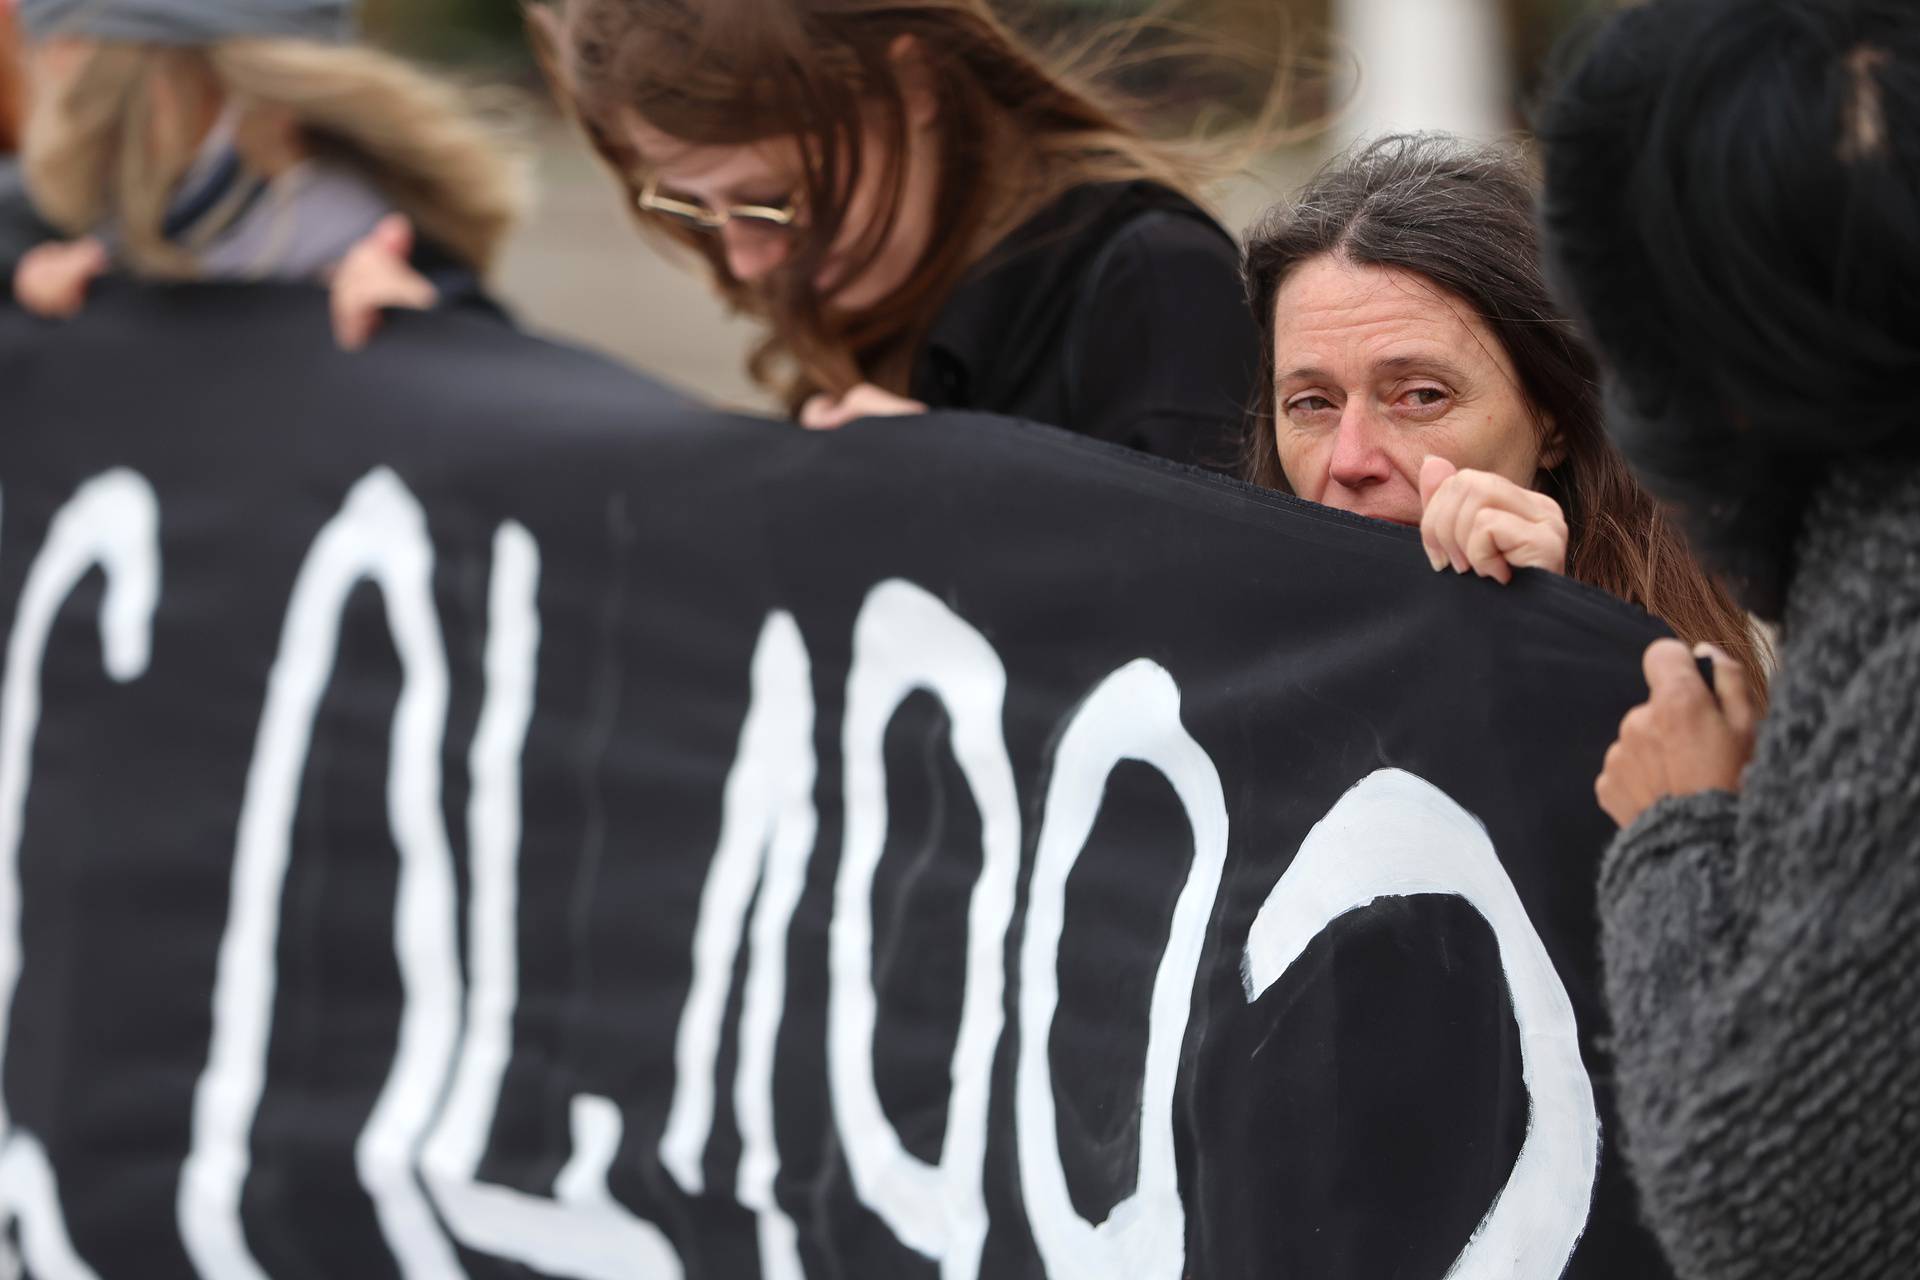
{"points": [[1018, 129], [10, 81], [1462, 217]]}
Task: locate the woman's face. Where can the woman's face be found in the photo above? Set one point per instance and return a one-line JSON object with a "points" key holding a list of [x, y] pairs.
{"points": [[772, 173], [1375, 370]]}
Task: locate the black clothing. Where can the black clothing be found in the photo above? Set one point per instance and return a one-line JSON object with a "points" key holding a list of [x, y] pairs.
{"points": [[20, 227], [1117, 312]]}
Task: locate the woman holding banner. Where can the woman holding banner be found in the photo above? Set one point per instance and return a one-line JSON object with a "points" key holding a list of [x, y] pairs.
{"points": [[205, 140], [923, 210], [1733, 201], [1418, 371]]}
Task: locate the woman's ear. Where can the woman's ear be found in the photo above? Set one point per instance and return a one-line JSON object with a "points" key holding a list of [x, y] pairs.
{"points": [[915, 77], [1553, 444]]}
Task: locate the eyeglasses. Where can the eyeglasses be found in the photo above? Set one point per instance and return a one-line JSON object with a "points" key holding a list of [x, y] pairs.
{"points": [[700, 218]]}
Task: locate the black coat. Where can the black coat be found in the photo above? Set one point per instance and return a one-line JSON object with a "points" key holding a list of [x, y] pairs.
{"points": [[1117, 312], [20, 227]]}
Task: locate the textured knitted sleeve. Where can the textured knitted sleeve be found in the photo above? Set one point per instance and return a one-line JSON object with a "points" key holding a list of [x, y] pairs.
{"points": [[1763, 972]]}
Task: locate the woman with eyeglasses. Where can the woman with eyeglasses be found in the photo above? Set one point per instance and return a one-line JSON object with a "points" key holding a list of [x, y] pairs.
{"points": [[924, 212]]}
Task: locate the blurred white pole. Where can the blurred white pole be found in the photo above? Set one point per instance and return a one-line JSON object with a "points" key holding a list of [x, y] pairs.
{"points": [[1426, 64]]}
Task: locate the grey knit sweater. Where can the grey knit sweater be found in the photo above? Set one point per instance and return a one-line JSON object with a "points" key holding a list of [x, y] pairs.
{"points": [[1763, 949]]}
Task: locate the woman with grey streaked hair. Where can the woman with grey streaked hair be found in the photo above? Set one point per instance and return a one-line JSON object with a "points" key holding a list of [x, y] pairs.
{"points": [[240, 139], [1417, 370]]}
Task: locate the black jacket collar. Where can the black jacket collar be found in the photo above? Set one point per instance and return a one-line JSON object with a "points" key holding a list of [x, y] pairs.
{"points": [[994, 326]]}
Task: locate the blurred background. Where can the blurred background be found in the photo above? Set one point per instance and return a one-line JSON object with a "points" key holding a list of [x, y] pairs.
{"points": [[580, 271]]}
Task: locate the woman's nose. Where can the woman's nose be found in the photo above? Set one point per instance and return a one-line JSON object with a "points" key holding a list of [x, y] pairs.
{"points": [[752, 253], [1358, 458]]}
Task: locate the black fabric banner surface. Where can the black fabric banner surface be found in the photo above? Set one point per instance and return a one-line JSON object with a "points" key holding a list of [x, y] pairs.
{"points": [[466, 810]]}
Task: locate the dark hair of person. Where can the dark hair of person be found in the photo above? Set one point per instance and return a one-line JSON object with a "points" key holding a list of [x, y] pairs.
{"points": [[1461, 217], [1732, 210]]}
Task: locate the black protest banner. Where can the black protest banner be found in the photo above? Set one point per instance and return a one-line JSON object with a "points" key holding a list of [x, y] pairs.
{"points": [[465, 810]]}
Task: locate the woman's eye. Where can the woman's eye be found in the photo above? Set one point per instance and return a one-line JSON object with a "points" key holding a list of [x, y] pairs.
{"points": [[1309, 404], [1426, 397]]}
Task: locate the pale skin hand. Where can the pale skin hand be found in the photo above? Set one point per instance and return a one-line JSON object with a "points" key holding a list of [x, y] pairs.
{"points": [[373, 277], [824, 412], [1485, 522], [51, 279], [1681, 741]]}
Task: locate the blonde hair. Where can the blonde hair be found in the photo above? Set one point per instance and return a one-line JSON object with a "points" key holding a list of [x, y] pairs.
{"points": [[99, 151]]}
